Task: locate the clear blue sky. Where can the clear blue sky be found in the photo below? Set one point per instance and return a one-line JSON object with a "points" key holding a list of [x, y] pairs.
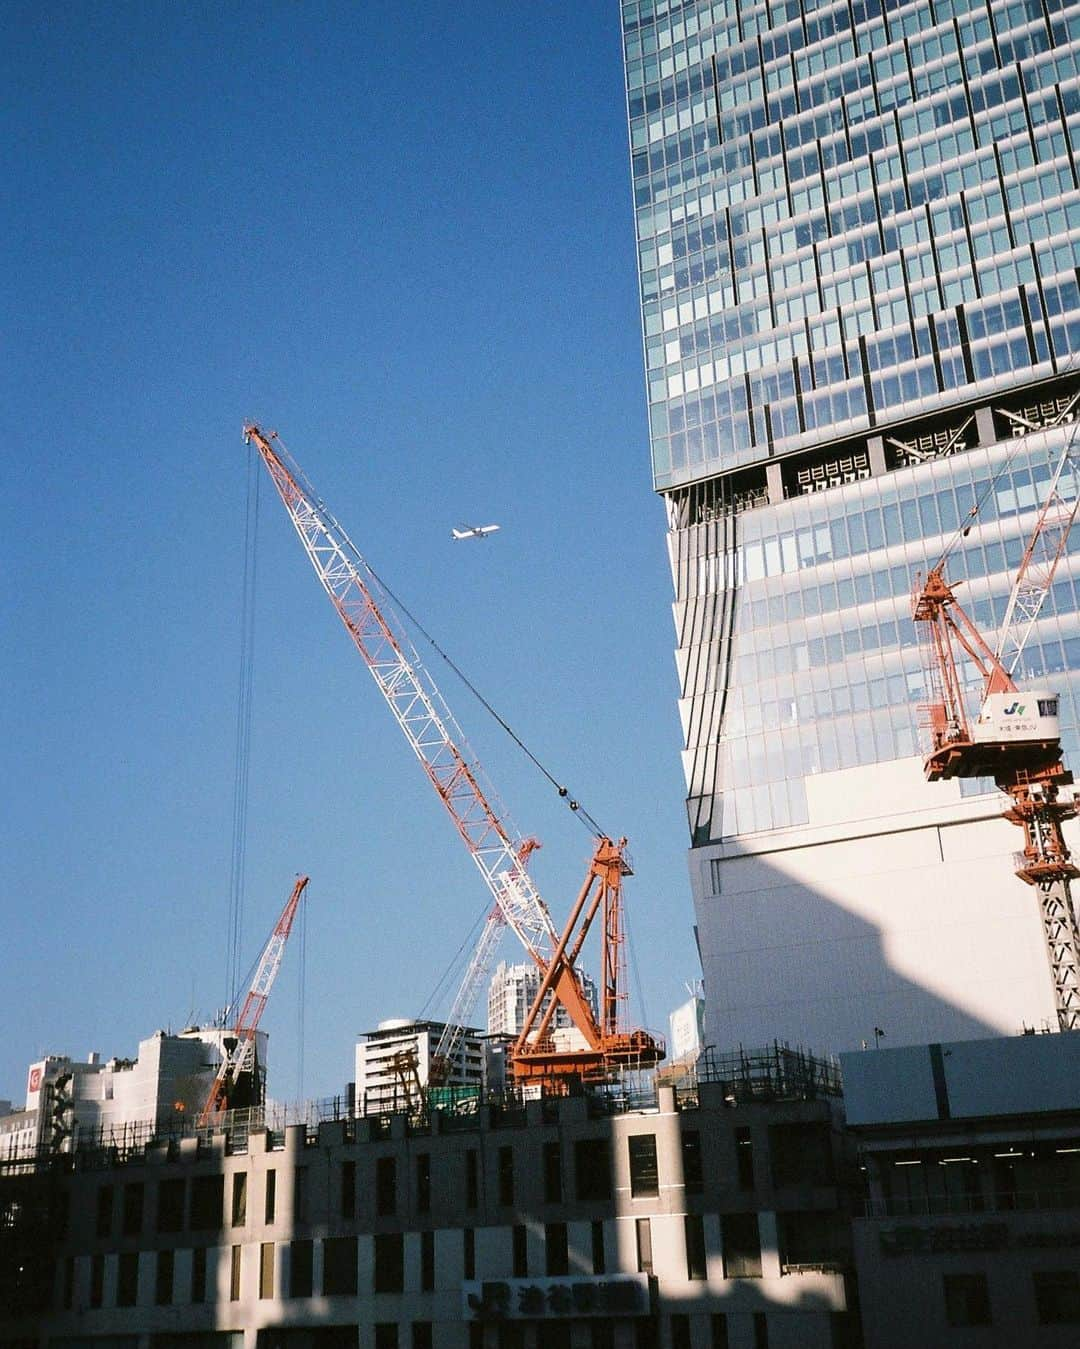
{"points": [[400, 234]]}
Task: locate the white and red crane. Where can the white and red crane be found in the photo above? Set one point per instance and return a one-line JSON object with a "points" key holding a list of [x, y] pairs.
{"points": [[501, 854], [238, 1059], [1014, 738]]}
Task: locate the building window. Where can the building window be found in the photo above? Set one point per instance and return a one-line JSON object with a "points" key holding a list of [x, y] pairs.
{"points": [[644, 1245], [967, 1300], [234, 1273], [421, 1335], [170, 1205], [476, 1335], [390, 1263], [301, 1265], [680, 1331], [270, 1197], [592, 1168], [761, 1330], [693, 1176], [468, 1248], [207, 1200], [552, 1173], [744, 1158], [339, 1266], [386, 1186], [300, 1194], [97, 1279], [133, 1209], [802, 1154], [127, 1279], [348, 1189], [694, 1225], [556, 1249], [266, 1269], [163, 1280], [644, 1176], [715, 875], [719, 1330], [105, 1211], [423, 1182], [386, 1335], [506, 1177], [601, 1334], [239, 1199], [1057, 1296], [68, 1296], [520, 1258], [427, 1261], [599, 1263], [472, 1179], [742, 1245], [198, 1274]]}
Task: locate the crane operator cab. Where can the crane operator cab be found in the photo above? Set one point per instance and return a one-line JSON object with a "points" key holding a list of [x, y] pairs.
{"points": [[1018, 716]]}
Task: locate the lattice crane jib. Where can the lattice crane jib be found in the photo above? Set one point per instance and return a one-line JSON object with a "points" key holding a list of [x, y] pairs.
{"points": [[239, 1057], [412, 696]]}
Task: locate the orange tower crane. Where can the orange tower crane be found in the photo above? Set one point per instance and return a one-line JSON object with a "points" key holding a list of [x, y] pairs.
{"points": [[367, 611], [238, 1063], [1015, 737]]}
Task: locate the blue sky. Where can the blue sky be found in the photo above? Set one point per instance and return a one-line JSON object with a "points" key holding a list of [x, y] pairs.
{"points": [[402, 236]]}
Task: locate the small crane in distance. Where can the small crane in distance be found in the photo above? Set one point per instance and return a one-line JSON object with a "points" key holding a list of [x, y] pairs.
{"points": [[235, 1079]]}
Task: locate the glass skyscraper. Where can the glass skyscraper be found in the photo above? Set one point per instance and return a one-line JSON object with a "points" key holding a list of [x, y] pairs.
{"points": [[858, 231]]}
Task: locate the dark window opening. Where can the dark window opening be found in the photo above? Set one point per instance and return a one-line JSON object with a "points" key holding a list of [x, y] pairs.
{"points": [[163, 1278], [385, 1186], [744, 1158], [506, 1177], [423, 1182], [693, 1175], [742, 1245], [644, 1173], [468, 1252], [133, 1209], [105, 1211], [127, 1279], [339, 1266], [592, 1168], [695, 1246], [270, 1196], [520, 1258], [389, 1263], [198, 1274], [427, 1261], [348, 1189], [599, 1263], [552, 1173], [301, 1268], [239, 1199], [644, 1245], [556, 1249]]}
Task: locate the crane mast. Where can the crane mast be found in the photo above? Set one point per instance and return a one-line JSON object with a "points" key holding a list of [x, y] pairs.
{"points": [[1015, 737], [239, 1055]]}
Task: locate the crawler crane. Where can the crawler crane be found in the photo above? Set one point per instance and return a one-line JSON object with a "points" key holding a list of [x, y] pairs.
{"points": [[1014, 739], [368, 612]]}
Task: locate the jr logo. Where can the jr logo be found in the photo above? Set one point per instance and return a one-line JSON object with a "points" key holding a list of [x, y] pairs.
{"points": [[1017, 710]]}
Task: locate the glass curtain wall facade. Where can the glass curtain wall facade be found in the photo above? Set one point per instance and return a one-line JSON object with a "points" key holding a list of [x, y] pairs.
{"points": [[858, 232]]}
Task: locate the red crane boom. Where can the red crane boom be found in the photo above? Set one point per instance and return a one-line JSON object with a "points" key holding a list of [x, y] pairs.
{"points": [[238, 1057]]}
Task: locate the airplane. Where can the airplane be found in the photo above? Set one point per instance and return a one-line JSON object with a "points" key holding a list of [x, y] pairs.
{"points": [[474, 531]]}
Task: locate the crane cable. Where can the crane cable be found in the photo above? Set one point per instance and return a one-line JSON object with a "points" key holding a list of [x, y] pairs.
{"points": [[575, 806], [964, 528], [564, 792], [242, 744]]}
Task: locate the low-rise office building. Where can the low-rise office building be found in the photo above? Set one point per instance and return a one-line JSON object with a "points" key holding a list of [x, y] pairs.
{"points": [[712, 1218], [971, 1225]]}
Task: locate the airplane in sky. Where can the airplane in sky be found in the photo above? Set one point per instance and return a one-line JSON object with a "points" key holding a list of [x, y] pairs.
{"points": [[474, 531]]}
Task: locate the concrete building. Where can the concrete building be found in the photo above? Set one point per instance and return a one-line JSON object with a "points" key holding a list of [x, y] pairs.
{"points": [[387, 1057], [712, 1217], [512, 991], [971, 1228], [858, 234], [70, 1102]]}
